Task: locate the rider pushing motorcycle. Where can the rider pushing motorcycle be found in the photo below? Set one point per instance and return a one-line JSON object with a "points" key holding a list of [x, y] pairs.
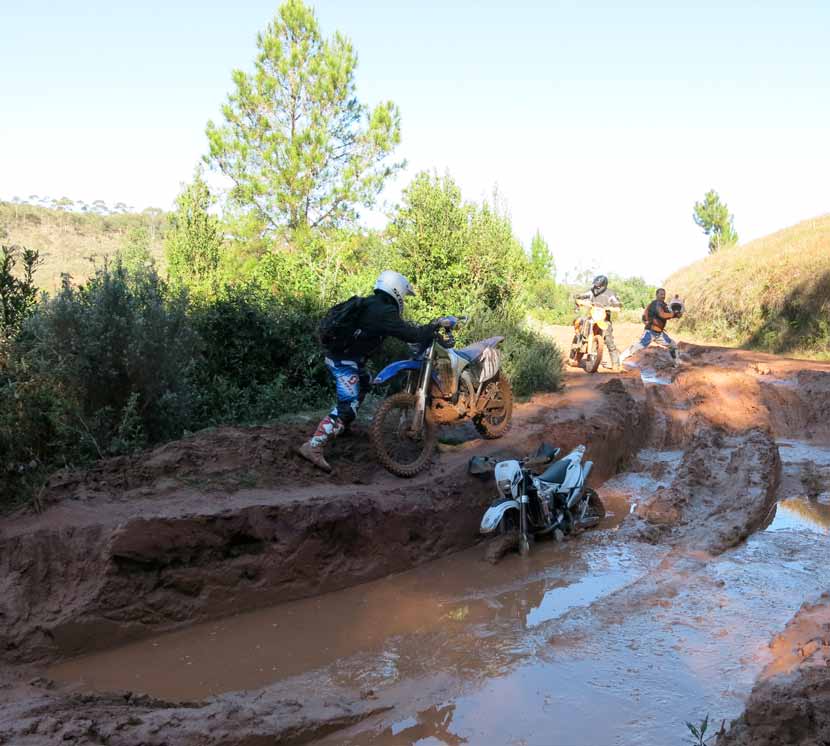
{"points": [[600, 295], [349, 333]]}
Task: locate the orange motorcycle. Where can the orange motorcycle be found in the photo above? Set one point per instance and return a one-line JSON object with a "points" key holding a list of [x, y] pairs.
{"points": [[589, 328]]}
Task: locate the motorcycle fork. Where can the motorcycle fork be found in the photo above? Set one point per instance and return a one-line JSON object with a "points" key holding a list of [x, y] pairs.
{"points": [[524, 544], [421, 392]]}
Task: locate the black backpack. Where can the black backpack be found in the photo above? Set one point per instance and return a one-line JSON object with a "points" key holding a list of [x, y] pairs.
{"points": [[338, 328]]}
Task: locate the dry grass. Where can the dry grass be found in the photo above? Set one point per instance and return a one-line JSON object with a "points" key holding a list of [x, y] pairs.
{"points": [[771, 294], [71, 242]]}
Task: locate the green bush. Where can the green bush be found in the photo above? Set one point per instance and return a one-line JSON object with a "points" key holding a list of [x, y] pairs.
{"points": [[530, 360], [118, 342], [259, 356]]}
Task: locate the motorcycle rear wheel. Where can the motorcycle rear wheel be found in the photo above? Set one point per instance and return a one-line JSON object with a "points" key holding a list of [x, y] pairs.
{"points": [[395, 447], [496, 421], [594, 356]]}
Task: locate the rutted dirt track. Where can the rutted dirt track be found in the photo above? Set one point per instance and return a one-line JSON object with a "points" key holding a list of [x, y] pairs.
{"points": [[230, 521]]}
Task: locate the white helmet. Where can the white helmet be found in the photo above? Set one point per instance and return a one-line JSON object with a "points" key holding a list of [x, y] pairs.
{"points": [[394, 284]]}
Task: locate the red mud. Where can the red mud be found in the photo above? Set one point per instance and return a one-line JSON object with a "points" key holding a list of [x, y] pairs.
{"points": [[111, 565], [231, 520], [790, 706]]}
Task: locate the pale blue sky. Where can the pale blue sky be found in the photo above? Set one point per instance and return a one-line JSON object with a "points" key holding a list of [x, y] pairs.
{"points": [[601, 123]]}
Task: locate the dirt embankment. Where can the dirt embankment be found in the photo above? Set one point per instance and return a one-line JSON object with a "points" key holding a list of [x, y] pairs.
{"points": [[728, 479], [138, 546], [790, 705], [725, 489]]}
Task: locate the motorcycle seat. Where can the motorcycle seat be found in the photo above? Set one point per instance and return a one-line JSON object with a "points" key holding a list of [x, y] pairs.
{"points": [[473, 352], [555, 473]]}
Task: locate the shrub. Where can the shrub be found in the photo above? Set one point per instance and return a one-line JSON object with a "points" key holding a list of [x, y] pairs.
{"points": [[118, 347], [531, 361], [259, 356], [18, 293]]}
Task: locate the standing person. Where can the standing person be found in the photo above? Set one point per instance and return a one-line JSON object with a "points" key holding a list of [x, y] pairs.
{"points": [[349, 333], [655, 318], [600, 295]]}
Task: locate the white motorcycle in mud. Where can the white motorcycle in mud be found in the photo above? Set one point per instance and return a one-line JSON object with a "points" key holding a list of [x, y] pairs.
{"points": [[440, 385], [556, 502]]}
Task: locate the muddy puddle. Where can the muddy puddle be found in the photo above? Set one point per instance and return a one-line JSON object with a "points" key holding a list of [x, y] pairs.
{"points": [[451, 599], [592, 642], [648, 374]]}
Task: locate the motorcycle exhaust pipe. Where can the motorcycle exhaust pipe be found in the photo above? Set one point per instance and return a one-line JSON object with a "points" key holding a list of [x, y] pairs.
{"points": [[577, 493]]}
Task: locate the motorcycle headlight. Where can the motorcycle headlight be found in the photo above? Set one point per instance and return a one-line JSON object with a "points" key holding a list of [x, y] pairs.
{"points": [[505, 487]]}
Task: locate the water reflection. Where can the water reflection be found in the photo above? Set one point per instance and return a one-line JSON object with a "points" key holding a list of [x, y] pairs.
{"points": [[800, 514], [430, 727]]}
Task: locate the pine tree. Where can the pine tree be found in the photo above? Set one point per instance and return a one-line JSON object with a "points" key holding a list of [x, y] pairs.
{"points": [[713, 217], [194, 241], [298, 146]]}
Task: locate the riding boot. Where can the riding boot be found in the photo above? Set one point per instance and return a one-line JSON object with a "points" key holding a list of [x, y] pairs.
{"points": [[674, 356], [629, 351], [312, 450]]}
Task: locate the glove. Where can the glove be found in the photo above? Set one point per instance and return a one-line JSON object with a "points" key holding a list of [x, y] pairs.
{"points": [[448, 322]]}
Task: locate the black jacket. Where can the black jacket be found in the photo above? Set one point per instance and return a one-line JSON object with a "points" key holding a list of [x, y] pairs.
{"points": [[380, 319]]}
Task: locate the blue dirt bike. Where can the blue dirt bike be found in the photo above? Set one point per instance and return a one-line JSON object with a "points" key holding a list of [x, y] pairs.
{"points": [[440, 385]]}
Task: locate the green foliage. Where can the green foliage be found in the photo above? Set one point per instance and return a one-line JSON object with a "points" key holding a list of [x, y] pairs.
{"points": [[194, 241], [97, 370], [260, 356], [531, 360], [299, 147], [634, 292], [542, 266], [458, 255], [135, 255], [119, 339], [714, 218], [18, 293], [698, 732]]}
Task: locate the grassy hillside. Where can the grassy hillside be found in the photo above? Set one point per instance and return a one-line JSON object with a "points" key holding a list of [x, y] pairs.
{"points": [[771, 294], [71, 241]]}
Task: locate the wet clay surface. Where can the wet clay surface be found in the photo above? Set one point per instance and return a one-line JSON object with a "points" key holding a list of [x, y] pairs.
{"points": [[661, 615], [99, 568]]}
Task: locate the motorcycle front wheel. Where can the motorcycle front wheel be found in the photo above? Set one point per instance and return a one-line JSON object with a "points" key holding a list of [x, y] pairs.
{"points": [[498, 410], [594, 356], [396, 447]]}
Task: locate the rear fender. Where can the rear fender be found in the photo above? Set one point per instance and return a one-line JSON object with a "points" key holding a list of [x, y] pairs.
{"points": [[576, 495], [491, 519]]}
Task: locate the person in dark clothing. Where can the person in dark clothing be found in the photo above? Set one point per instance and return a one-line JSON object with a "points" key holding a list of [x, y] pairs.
{"points": [[600, 295], [380, 316], [655, 318]]}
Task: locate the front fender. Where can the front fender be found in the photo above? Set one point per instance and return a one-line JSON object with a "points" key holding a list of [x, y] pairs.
{"points": [[491, 519], [391, 370]]}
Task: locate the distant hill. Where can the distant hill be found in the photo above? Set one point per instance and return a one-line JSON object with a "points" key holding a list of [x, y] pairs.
{"points": [[71, 242], [771, 294]]}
